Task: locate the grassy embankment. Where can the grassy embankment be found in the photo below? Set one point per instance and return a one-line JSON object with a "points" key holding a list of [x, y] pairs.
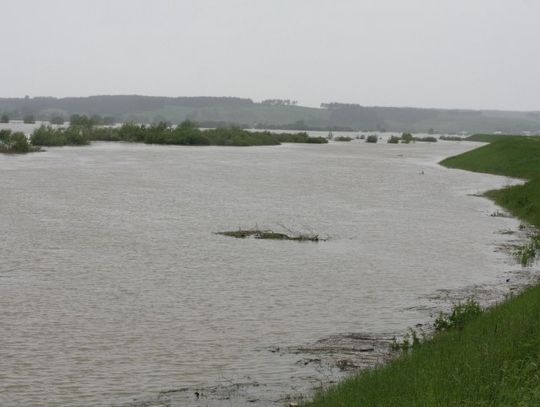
{"points": [[494, 360], [511, 156], [488, 138]]}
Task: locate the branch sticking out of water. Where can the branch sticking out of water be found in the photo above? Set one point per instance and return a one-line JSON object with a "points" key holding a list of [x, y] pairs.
{"points": [[271, 235]]}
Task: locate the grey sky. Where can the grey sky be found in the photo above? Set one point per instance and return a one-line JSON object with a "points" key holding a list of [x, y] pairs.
{"points": [[426, 53]]}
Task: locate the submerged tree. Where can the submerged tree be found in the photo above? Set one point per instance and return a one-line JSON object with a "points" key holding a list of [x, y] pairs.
{"points": [[57, 120], [29, 119], [13, 142], [407, 137]]}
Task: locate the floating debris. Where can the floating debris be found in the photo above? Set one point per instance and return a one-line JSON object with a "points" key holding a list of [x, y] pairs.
{"points": [[270, 234]]}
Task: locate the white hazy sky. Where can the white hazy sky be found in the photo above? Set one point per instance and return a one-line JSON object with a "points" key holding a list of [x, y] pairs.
{"points": [[426, 53]]}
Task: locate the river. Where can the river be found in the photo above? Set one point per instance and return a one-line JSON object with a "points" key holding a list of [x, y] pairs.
{"points": [[115, 289]]}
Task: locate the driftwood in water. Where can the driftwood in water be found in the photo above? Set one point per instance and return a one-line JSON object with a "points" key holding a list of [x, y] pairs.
{"points": [[269, 234]]}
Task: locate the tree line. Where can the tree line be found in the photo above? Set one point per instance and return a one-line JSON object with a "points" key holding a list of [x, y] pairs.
{"points": [[187, 133]]}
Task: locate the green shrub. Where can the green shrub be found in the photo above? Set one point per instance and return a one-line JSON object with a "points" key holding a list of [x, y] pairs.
{"points": [[451, 138], [77, 136], [372, 138], [47, 136], [429, 139], [407, 138], [14, 142], [187, 133], [20, 143], [528, 253], [460, 315], [5, 136]]}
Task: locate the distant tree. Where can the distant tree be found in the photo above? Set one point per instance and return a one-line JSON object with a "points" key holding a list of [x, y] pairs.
{"points": [[56, 120], [96, 119], [278, 102], [187, 124], [5, 136], [431, 131], [161, 126], [334, 105], [4, 118], [29, 119], [20, 143], [158, 119], [372, 138], [81, 120], [109, 120], [342, 138], [13, 142], [407, 138]]}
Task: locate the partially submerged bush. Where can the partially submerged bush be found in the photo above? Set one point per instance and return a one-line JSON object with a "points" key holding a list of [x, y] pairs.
{"points": [[343, 138], [57, 120], [372, 138], [393, 140], [186, 133], [451, 138], [29, 119], [407, 138], [460, 315], [51, 137], [15, 143], [528, 253], [429, 139]]}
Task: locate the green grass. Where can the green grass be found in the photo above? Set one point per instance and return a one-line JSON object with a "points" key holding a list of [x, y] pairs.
{"points": [[522, 201], [491, 360], [513, 157], [488, 138]]}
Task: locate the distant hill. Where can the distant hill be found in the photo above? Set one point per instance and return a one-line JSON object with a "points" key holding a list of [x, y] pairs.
{"points": [[275, 113]]}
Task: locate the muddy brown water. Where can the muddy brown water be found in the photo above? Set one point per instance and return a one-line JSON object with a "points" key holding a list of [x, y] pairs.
{"points": [[115, 289]]}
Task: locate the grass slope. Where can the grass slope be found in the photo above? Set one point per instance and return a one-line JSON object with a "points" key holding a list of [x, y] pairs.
{"points": [[495, 359], [514, 157], [488, 138], [522, 201]]}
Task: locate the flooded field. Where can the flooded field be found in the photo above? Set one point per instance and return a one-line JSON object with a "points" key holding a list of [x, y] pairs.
{"points": [[115, 289]]}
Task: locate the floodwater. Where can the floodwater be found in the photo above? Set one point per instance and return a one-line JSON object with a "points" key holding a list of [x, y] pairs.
{"points": [[115, 289]]}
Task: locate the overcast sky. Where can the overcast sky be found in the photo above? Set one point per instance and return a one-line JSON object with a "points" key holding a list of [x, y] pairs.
{"points": [[426, 53]]}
